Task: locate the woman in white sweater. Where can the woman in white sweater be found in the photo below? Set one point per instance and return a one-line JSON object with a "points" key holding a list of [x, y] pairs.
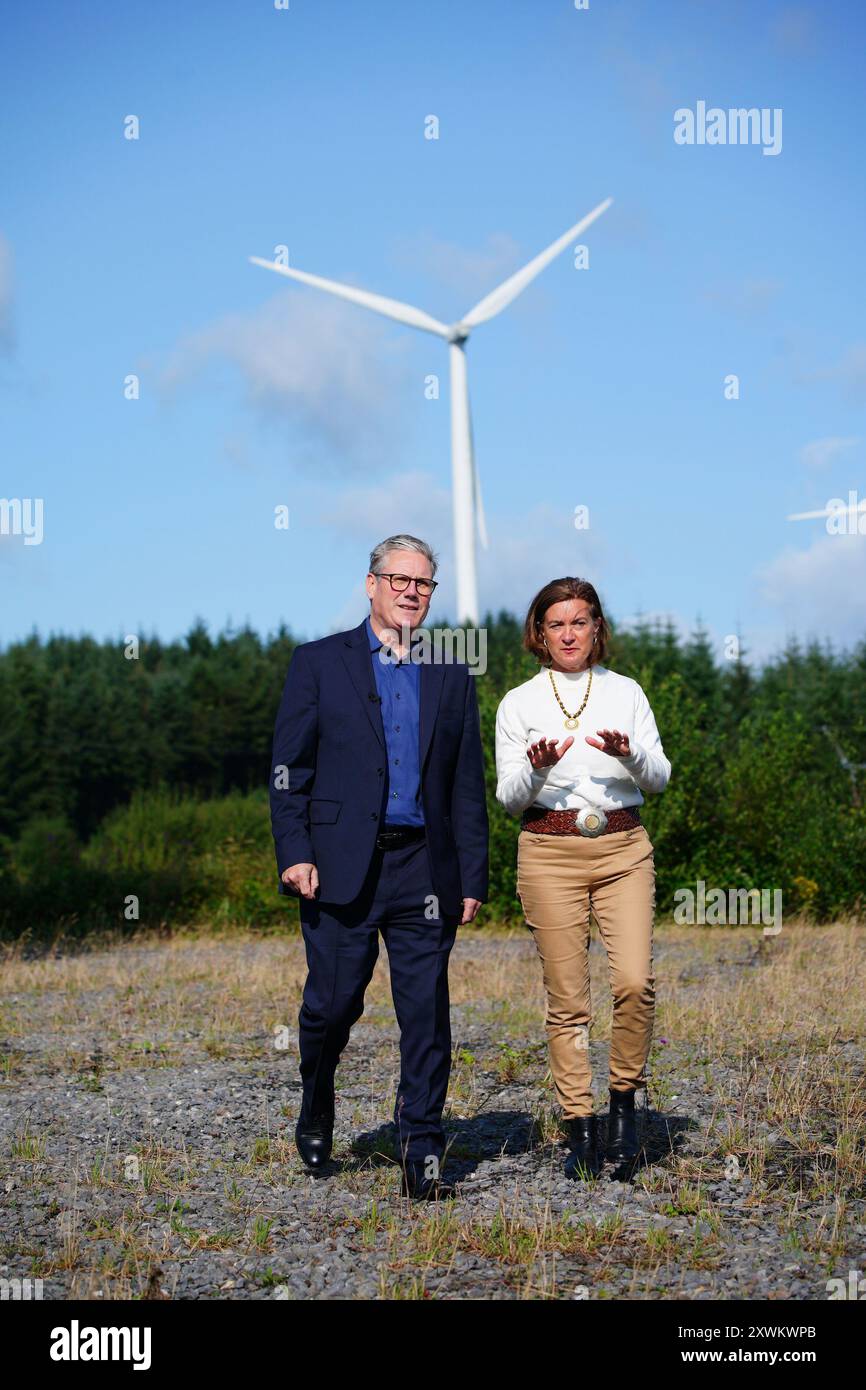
{"points": [[576, 748]]}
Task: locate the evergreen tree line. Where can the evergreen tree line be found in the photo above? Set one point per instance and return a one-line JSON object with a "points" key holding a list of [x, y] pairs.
{"points": [[146, 779]]}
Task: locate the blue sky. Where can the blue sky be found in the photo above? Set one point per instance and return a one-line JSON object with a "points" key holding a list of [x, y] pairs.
{"points": [[601, 387]]}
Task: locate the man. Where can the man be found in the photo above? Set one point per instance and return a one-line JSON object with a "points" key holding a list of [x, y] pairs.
{"points": [[380, 825]]}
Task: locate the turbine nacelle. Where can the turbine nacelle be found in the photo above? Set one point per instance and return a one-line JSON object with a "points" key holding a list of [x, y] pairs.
{"points": [[458, 333]]}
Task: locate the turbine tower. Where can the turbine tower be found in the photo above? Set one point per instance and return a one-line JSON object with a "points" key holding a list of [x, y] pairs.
{"points": [[466, 489]]}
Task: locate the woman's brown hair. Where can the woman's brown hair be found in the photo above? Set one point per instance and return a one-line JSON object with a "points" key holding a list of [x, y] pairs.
{"points": [[555, 592]]}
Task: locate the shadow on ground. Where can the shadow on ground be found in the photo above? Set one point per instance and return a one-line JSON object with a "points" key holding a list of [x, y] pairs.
{"points": [[501, 1133]]}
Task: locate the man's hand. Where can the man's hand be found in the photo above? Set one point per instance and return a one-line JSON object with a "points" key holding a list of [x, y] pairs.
{"points": [[470, 907], [304, 878], [615, 743], [544, 753]]}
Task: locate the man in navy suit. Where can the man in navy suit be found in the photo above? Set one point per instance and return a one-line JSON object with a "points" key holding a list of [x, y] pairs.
{"points": [[380, 825]]}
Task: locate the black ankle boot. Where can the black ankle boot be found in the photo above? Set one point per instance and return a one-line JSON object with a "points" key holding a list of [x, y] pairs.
{"points": [[424, 1187], [583, 1161], [314, 1137], [621, 1130]]}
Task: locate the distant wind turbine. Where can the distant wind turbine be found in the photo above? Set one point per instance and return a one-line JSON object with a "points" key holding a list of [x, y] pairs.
{"points": [[850, 767], [466, 495], [835, 509]]}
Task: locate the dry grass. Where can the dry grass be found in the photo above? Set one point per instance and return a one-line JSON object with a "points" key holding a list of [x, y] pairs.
{"points": [[229, 988], [771, 1027]]}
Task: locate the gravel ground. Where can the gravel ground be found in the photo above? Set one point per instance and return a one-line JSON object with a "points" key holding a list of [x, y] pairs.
{"points": [[161, 1163]]}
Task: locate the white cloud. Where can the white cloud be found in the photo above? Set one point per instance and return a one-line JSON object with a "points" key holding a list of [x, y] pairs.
{"points": [[356, 607], [525, 551], [820, 453], [529, 550], [820, 592], [412, 502], [337, 374], [406, 502]]}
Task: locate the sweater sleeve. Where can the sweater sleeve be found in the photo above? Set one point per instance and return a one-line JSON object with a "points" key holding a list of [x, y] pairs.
{"points": [[517, 781], [647, 762]]}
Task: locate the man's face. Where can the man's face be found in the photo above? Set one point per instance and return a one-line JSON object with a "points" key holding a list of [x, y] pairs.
{"points": [[392, 610]]}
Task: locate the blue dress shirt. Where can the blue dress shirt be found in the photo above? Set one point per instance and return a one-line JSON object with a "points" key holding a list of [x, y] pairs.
{"points": [[399, 687]]}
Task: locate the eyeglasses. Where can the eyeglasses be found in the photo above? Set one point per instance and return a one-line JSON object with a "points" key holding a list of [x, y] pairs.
{"points": [[400, 582]]}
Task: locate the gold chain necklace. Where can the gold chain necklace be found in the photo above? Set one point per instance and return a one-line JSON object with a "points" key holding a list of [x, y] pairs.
{"points": [[571, 720]]}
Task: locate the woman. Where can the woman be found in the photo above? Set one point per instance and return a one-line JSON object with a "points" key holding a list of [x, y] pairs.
{"points": [[576, 746]]}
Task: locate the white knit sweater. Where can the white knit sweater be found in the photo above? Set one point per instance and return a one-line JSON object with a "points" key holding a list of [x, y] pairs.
{"points": [[584, 776]]}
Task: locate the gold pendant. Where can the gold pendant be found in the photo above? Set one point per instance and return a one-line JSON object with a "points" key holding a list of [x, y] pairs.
{"points": [[571, 723]]}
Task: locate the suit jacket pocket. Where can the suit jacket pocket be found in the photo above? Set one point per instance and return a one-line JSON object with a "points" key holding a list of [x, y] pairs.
{"points": [[323, 812]]}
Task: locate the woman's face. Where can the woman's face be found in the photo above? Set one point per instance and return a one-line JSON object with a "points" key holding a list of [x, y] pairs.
{"points": [[569, 629]]}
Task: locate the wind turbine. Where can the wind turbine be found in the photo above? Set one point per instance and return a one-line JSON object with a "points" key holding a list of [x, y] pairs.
{"points": [[836, 509], [466, 488]]}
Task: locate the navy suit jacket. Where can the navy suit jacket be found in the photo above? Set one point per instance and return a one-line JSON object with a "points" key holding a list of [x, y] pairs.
{"points": [[330, 767]]}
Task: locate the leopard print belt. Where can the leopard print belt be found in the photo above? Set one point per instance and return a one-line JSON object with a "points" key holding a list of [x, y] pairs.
{"points": [[539, 819]]}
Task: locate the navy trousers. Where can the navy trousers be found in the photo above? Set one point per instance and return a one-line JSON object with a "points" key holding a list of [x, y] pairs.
{"points": [[342, 945]]}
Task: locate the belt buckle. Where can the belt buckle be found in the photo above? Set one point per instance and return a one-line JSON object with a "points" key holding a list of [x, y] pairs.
{"points": [[398, 835], [591, 821]]}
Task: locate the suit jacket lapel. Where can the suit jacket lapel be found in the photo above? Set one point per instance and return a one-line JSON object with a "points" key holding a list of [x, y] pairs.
{"points": [[356, 654], [432, 679]]}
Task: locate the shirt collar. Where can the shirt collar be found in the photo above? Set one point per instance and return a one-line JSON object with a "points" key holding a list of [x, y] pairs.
{"points": [[376, 643]]}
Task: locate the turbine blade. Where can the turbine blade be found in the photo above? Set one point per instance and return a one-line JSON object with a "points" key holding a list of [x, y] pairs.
{"points": [[500, 298], [854, 510], [391, 308]]}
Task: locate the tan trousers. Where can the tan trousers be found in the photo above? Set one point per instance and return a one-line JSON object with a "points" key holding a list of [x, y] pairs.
{"points": [[560, 878]]}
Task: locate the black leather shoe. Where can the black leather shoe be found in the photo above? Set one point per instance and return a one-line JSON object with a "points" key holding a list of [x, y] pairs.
{"points": [[583, 1161], [621, 1130], [314, 1138], [423, 1189]]}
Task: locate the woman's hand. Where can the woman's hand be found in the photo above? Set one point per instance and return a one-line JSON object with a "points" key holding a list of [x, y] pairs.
{"points": [[544, 753], [615, 743]]}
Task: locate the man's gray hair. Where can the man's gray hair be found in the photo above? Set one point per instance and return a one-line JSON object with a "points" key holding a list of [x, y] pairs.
{"points": [[378, 553]]}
